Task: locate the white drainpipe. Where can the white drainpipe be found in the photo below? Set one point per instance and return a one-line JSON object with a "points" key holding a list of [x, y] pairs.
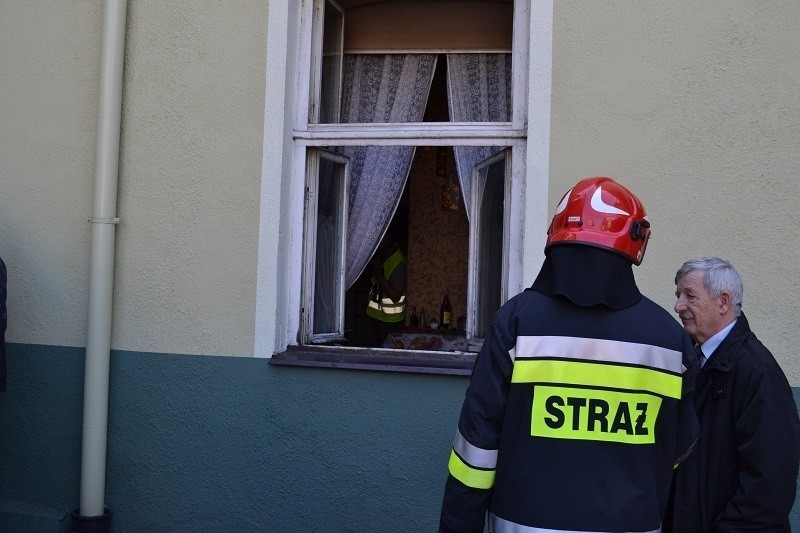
{"points": [[101, 272]]}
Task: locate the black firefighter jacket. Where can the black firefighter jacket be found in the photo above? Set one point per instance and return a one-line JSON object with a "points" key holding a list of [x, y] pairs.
{"points": [[572, 420], [742, 475]]}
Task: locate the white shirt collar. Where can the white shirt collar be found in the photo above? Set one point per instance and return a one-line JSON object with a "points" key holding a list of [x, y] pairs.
{"points": [[710, 346]]}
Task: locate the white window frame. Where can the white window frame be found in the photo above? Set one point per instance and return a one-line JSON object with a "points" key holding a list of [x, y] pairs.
{"points": [[309, 135], [310, 245], [475, 251], [292, 24], [315, 67]]}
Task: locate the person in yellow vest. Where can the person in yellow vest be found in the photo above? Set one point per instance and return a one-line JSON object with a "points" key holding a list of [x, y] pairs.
{"points": [[386, 307]]}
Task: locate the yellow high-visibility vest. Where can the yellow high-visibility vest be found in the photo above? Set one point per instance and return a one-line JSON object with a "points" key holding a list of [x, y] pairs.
{"points": [[383, 308]]}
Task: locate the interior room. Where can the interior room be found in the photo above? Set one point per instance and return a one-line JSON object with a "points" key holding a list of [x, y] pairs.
{"points": [[442, 203]]}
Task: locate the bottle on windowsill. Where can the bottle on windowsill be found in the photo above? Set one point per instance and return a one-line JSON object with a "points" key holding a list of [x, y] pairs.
{"points": [[445, 313], [423, 321], [414, 318]]}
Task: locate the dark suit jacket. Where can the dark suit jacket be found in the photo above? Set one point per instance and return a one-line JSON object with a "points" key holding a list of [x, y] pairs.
{"points": [[742, 474]]}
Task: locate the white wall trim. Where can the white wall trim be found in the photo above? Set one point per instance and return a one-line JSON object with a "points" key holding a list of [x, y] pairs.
{"points": [[274, 165], [540, 79]]}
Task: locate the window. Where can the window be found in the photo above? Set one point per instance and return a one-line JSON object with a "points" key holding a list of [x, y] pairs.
{"points": [[326, 220], [486, 244], [330, 74], [418, 130]]}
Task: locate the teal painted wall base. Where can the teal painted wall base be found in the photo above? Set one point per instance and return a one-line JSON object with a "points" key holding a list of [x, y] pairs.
{"points": [[25, 517], [219, 444]]}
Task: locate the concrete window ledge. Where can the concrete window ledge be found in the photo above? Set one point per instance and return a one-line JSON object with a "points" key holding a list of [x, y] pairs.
{"points": [[382, 360]]}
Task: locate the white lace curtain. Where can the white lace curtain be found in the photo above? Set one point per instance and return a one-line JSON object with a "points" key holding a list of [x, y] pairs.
{"points": [[379, 88], [478, 90]]}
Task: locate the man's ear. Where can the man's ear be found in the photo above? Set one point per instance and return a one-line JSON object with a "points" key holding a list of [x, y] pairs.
{"points": [[724, 303]]}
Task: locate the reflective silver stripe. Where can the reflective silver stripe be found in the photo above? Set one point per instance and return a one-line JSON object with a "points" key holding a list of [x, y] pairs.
{"points": [[472, 455], [394, 310], [600, 350], [389, 301], [388, 306], [498, 525]]}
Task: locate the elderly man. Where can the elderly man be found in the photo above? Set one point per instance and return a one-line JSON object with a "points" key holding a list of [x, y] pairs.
{"points": [[743, 473]]}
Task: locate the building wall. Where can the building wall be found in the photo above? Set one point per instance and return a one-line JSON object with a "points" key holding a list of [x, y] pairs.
{"points": [[190, 177], [189, 173], [48, 57], [695, 107], [697, 114], [222, 444]]}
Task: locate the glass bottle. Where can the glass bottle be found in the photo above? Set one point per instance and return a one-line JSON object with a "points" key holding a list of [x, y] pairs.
{"points": [[445, 313]]}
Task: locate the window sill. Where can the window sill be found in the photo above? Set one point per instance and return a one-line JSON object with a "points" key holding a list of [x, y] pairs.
{"points": [[381, 360]]}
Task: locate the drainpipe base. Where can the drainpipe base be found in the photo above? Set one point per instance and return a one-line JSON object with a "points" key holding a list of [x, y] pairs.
{"points": [[91, 524]]}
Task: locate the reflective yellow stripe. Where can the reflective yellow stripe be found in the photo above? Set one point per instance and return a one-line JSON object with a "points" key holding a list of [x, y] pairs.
{"points": [[597, 375], [392, 262], [387, 310], [471, 477]]}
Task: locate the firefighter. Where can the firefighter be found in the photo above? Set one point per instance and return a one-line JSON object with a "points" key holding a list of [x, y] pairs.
{"points": [[579, 405], [386, 307]]}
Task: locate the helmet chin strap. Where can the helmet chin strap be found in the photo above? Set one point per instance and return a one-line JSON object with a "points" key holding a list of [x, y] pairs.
{"points": [[637, 229]]}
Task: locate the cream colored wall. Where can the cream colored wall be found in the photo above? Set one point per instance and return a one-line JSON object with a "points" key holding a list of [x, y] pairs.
{"points": [[190, 177], [48, 68], [696, 107], [190, 171]]}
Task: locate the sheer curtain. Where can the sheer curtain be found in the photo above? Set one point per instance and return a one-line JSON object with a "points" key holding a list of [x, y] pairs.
{"points": [[379, 88], [478, 90]]}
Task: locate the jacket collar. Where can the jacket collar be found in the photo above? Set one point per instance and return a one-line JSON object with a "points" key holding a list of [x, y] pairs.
{"points": [[727, 353]]}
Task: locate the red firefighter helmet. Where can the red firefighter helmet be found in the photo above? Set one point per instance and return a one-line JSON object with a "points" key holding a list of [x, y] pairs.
{"points": [[600, 212]]}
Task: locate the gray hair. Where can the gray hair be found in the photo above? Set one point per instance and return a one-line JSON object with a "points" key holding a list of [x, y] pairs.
{"points": [[718, 276]]}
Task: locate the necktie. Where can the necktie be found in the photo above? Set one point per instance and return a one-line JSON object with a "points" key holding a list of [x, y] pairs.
{"points": [[699, 357]]}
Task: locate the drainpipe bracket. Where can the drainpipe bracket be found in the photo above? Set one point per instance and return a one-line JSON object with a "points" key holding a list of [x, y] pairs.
{"points": [[104, 220]]}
